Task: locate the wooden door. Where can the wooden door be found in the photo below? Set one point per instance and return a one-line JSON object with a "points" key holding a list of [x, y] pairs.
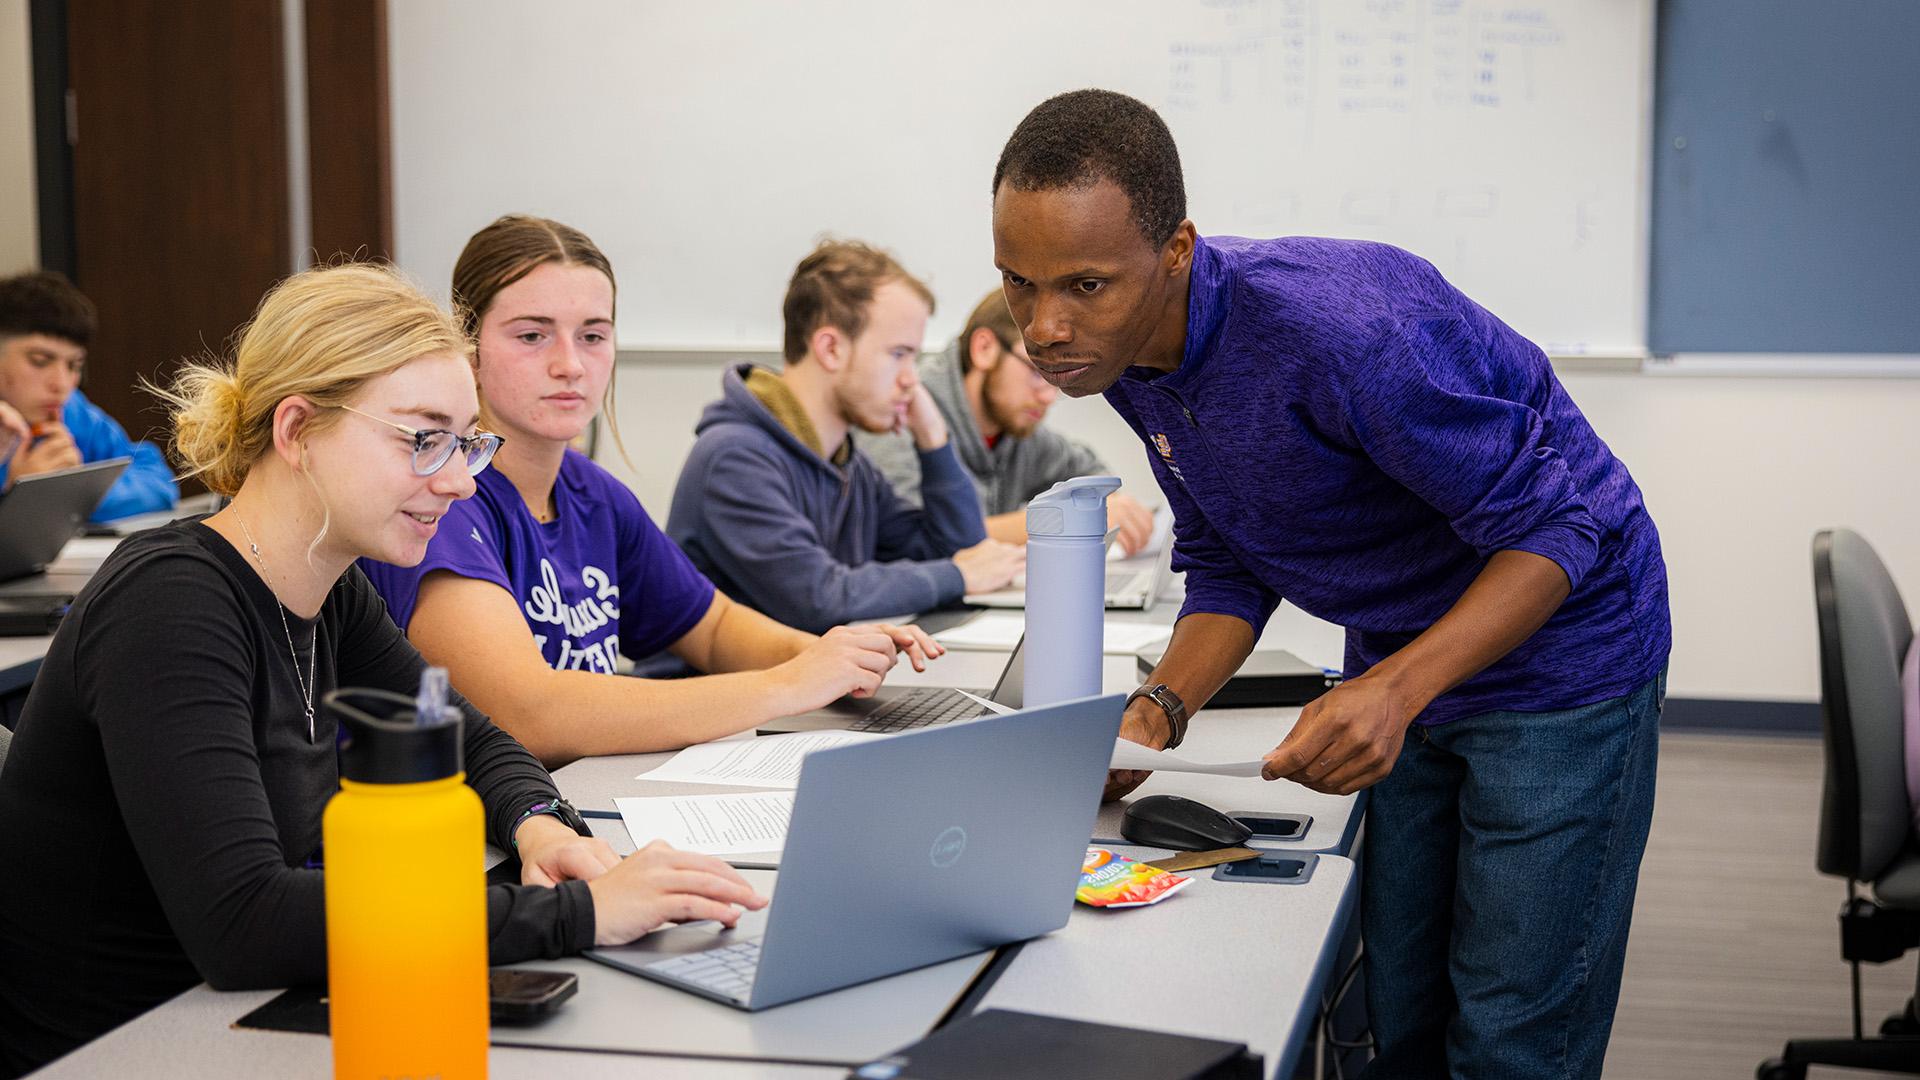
{"points": [[180, 198]]}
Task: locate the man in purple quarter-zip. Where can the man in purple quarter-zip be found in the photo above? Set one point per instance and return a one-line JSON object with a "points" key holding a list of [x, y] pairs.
{"points": [[1335, 424]]}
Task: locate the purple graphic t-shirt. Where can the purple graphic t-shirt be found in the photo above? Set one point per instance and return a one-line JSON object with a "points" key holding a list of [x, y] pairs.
{"points": [[599, 580]]}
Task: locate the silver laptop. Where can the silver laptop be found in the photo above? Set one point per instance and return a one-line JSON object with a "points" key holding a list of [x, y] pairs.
{"points": [[1133, 584], [40, 513], [904, 852], [903, 708]]}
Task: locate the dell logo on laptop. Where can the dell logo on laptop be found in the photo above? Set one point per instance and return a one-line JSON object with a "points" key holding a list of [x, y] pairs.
{"points": [[948, 846]]}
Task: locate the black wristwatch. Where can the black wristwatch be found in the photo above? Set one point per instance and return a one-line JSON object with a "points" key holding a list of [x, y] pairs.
{"points": [[1160, 694], [559, 808]]}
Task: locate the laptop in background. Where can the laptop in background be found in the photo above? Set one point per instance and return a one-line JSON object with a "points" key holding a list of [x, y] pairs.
{"points": [[903, 708], [904, 852], [40, 513], [1133, 584]]}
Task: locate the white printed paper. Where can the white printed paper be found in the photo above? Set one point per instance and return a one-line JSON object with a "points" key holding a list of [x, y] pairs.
{"points": [[1131, 755], [993, 707], [1002, 630], [769, 761], [727, 824]]}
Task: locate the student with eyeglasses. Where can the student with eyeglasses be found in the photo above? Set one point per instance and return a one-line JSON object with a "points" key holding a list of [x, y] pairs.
{"points": [[533, 591], [995, 403], [164, 790]]}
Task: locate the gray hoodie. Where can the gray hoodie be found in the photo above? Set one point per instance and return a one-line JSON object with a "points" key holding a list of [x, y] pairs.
{"points": [[809, 543], [1006, 476]]}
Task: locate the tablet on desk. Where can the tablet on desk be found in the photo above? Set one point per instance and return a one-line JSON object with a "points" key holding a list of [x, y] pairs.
{"points": [[40, 513]]}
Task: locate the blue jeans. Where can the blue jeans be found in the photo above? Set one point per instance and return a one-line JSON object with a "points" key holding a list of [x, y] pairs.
{"points": [[1501, 858]]}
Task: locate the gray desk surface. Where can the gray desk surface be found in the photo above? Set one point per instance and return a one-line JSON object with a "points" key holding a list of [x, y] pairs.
{"points": [[1237, 961], [192, 1038]]}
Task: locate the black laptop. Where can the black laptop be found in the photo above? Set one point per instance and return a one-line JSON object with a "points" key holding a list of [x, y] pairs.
{"points": [[40, 513]]}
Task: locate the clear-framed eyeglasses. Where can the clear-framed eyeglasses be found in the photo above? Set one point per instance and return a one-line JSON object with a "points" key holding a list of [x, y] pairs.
{"points": [[434, 447]]}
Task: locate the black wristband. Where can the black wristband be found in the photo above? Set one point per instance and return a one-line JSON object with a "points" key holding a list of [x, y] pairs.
{"points": [[559, 808]]}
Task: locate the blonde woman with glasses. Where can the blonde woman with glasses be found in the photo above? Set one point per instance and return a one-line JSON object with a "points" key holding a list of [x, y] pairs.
{"points": [[164, 791]]}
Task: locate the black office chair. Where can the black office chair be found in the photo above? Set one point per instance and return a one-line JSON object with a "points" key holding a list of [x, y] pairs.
{"points": [[1866, 825]]}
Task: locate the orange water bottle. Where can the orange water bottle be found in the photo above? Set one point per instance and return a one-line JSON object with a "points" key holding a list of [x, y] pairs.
{"points": [[404, 843]]}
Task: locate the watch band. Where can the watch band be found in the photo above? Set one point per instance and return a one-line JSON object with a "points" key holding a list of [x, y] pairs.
{"points": [[1162, 695], [559, 808]]}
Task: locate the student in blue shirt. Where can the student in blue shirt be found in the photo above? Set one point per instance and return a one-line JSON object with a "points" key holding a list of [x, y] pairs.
{"points": [[1333, 423], [778, 506], [45, 327]]}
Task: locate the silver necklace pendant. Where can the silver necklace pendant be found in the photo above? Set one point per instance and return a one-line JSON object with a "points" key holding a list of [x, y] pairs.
{"points": [[293, 654]]}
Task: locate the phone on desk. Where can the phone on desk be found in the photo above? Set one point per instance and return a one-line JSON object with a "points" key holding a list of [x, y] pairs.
{"points": [[519, 996]]}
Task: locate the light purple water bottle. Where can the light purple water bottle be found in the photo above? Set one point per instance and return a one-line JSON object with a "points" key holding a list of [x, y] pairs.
{"points": [[1066, 589]]}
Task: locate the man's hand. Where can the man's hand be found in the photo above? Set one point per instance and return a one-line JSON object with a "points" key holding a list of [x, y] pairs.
{"points": [[990, 565], [53, 451], [910, 639], [929, 428], [1145, 723], [1134, 521], [1347, 739]]}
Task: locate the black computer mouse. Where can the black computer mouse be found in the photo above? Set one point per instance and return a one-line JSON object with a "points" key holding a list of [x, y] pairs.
{"points": [[1169, 821]]}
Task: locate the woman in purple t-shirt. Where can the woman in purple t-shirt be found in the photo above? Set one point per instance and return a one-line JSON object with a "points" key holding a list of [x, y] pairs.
{"points": [[533, 588]]}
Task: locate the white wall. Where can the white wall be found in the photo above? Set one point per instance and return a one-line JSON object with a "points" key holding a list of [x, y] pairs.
{"points": [[19, 209], [1738, 472]]}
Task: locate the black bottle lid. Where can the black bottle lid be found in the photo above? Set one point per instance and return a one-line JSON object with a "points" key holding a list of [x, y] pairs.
{"points": [[381, 744]]}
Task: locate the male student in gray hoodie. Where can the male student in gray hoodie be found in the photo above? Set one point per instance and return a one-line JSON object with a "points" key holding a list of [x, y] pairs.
{"points": [[994, 403], [779, 509]]}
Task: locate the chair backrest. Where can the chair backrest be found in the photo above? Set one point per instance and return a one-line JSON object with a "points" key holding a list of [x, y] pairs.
{"points": [[1865, 815], [6, 740]]}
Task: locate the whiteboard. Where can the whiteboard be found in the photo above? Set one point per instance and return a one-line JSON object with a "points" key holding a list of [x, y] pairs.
{"points": [[706, 145]]}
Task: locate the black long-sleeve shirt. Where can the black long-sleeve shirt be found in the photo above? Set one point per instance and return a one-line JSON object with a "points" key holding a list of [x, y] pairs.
{"points": [[162, 799]]}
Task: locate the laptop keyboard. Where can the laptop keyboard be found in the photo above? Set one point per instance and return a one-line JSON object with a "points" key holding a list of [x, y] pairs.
{"points": [[1121, 579], [727, 971], [918, 710]]}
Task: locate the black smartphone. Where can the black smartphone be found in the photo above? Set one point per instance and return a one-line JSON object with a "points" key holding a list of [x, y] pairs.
{"points": [[1276, 826], [519, 995], [1273, 869]]}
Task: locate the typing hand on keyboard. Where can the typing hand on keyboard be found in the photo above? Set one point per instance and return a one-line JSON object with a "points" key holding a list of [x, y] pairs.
{"points": [[661, 884]]}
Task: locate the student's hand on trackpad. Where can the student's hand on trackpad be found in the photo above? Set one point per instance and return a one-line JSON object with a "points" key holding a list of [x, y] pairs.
{"points": [[910, 639], [843, 661], [660, 884]]}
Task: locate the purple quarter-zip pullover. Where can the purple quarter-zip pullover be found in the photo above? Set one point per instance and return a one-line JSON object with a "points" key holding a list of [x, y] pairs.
{"points": [[1348, 431]]}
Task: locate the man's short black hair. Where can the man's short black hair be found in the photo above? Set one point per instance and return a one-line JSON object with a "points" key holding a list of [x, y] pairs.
{"points": [[1077, 138], [45, 302]]}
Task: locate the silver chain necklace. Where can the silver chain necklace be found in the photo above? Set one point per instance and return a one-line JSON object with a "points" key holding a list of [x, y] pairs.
{"points": [[306, 685]]}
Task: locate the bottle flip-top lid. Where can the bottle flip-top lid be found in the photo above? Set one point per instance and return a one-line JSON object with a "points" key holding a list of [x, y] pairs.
{"points": [[382, 741], [1073, 507]]}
